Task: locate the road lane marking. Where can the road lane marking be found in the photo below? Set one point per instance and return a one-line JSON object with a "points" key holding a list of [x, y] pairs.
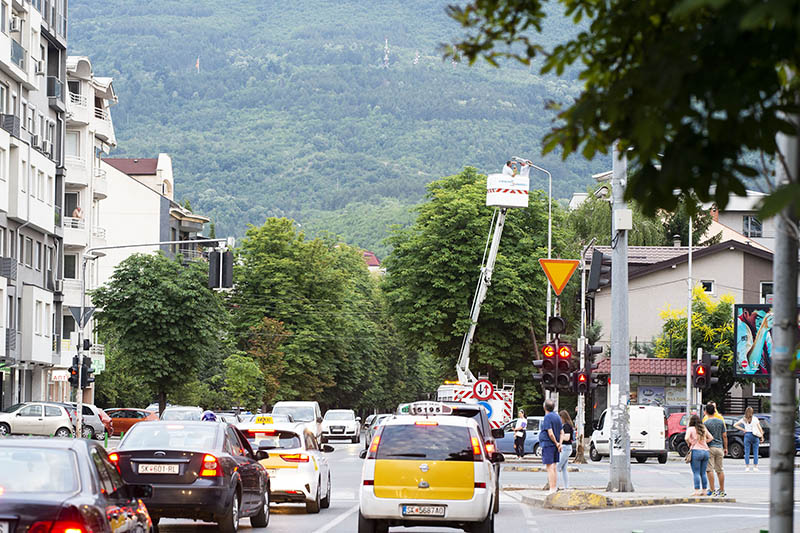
{"points": [[707, 516], [336, 521]]}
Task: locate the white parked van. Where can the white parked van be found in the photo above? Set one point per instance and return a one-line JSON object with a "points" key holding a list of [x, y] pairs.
{"points": [[646, 431]]}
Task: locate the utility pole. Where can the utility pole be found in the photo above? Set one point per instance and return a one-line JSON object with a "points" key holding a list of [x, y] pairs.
{"points": [[784, 338], [689, 327], [581, 348], [619, 389]]}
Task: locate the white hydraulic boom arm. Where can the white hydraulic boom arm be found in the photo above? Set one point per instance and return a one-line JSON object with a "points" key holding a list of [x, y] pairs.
{"points": [[465, 375]]}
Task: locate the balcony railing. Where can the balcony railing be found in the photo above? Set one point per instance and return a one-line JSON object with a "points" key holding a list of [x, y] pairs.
{"points": [[75, 160], [191, 253], [100, 173], [78, 100], [17, 54], [11, 123], [8, 268], [55, 88], [99, 232], [11, 340], [74, 223], [102, 114]]}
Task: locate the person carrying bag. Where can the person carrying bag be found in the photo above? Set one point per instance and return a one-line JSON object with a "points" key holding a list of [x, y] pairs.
{"points": [[698, 437], [519, 435]]}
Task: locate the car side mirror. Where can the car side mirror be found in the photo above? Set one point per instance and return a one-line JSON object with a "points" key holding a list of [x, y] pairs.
{"points": [[319, 420], [261, 455], [498, 433], [327, 448], [362, 454], [140, 491], [595, 425], [497, 457]]}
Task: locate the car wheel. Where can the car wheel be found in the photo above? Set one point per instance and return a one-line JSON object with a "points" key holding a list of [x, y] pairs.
{"points": [[312, 506], [154, 520], [5, 429], [323, 440], [486, 526], [683, 449], [671, 441], [88, 432], [594, 455], [262, 518], [63, 432], [366, 525], [763, 452], [326, 501], [229, 523], [641, 460], [537, 450], [662, 459], [736, 450]]}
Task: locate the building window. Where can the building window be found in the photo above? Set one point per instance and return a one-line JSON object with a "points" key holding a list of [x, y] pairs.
{"points": [[38, 318], [70, 203], [751, 226], [40, 181], [74, 86], [50, 190], [766, 292], [2, 164], [29, 252], [12, 244], [73, 143], [24, 113], [4, 17], [9, 312], [3, 98], [708, 286], [70, 266], [37, 258], [19, 314], [48, 320], [31, 114], [24, 177], [21, 249]]}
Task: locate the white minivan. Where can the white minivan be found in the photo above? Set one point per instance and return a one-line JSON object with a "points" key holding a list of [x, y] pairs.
{"points": [[308, 413], [646, 430]]}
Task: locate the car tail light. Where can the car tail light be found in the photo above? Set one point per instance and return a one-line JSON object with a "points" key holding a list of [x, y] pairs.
{"points": [[114, 458], [369, 482], [490, 448], [480, 485], [59, 526], [373, 447], [426, 423], [476, 448], [260, 433], [210, 467], [294, 457]]}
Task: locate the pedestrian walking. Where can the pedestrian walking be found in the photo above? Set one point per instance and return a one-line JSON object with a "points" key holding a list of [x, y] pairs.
{"points": [[753, 435], [549, 433], [519, 434], [717, 449], [566, 440], [698, 438]]}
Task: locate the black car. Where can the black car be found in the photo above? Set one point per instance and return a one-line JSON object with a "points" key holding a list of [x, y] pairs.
{"points": [[735, 439], [66, 485], [201, 470]]}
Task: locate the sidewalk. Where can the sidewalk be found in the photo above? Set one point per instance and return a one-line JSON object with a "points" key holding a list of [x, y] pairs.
{"points": [[580, 498]]}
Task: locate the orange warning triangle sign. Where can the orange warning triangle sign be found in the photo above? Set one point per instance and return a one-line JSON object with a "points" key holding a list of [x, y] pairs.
{"points": [[558, 272]]}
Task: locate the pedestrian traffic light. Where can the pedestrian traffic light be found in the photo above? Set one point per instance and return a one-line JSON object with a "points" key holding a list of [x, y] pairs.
{"points": [[590, 351], [582, 382], [599, 272], [87, 344], [73, 372], [87, 374], [220, 270], [700, 375], [713, 370], [563, 377], [547, 364]]}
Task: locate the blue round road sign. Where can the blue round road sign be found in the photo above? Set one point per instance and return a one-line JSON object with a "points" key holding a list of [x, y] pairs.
{"points": [[488, 408]]}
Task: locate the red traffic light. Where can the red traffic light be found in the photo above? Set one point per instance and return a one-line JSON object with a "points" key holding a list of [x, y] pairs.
{"points": [[582, 378], [701, 370], [549, 350], [565, 352]]}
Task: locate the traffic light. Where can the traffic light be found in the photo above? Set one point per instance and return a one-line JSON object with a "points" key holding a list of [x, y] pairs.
{"points": [[547, 364], [713, 370], [590, 351], [563, 378], [87, 374], [73, 372], [599, 272], [582, 382], [700, 375], [220, 270], [87, 344]]}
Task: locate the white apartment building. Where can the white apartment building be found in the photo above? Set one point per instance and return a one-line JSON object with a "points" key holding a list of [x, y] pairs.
{"points": [[89, 133], [32, 122]]}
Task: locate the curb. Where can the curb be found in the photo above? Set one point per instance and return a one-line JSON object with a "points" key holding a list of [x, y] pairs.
{"points": [[534, 469], [579, 500]]}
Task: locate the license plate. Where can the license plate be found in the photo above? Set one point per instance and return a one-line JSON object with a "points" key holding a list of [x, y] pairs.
{"points": [[264, 420], [159, 469], [4, 527], [337, 430], [423, 510]]}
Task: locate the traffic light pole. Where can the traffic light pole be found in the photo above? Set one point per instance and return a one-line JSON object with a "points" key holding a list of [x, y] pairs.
{"points": [[581, 347], [619, 389]]}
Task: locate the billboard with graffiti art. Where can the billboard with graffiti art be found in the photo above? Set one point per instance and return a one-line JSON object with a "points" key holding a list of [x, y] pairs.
{"points": [[752, 352]]}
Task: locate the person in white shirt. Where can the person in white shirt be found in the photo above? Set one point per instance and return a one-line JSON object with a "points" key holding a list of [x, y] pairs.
{"points": [[753, 435], [519, 435]]}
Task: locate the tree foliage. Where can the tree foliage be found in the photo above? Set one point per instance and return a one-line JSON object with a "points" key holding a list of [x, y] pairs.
{"points": [[690, 88], [244, 381], [592, 219], [160, 319]]}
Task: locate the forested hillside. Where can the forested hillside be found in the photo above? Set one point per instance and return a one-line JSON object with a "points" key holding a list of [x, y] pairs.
{"points": [[293, 111]]}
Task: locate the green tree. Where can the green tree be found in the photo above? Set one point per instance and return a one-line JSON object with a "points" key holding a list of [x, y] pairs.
{"points": [[691, 89], [264, 346], [677, 223], [244, 381], [592, 219], [434, 267], [117, 386], [161, 319], [712, 330]]}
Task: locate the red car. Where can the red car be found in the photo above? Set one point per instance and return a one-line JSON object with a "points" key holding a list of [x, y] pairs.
{"points": [[123, 418], [676, 425]]}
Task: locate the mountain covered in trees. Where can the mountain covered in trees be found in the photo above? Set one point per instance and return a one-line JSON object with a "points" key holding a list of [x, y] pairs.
{"points": [[334, 113]]}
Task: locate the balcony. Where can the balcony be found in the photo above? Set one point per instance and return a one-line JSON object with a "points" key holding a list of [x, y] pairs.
{"points": [[77, 109], [100, 184], [11, 342], [78, 171], [98, 236], [55, 93], [17, 54], [104, 129], [75, 234], [8, 268], [11, 123]]}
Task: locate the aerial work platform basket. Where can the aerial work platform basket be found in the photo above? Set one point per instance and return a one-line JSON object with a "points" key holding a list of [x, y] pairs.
{"points": [[505, 190]]}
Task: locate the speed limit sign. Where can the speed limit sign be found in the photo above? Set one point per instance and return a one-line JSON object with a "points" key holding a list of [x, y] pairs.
{"points": [[483, 389]]}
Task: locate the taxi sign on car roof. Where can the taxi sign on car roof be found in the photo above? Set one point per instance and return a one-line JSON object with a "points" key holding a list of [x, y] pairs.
{"points": [[263, 420], [426, 408]]}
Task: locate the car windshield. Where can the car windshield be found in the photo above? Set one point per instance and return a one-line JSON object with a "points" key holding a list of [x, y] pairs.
{"points": [[297, 412], [340, 415], [432, 443], [32, 470], [170, 437], [12, 408], [181, 414], [272, 439]]}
